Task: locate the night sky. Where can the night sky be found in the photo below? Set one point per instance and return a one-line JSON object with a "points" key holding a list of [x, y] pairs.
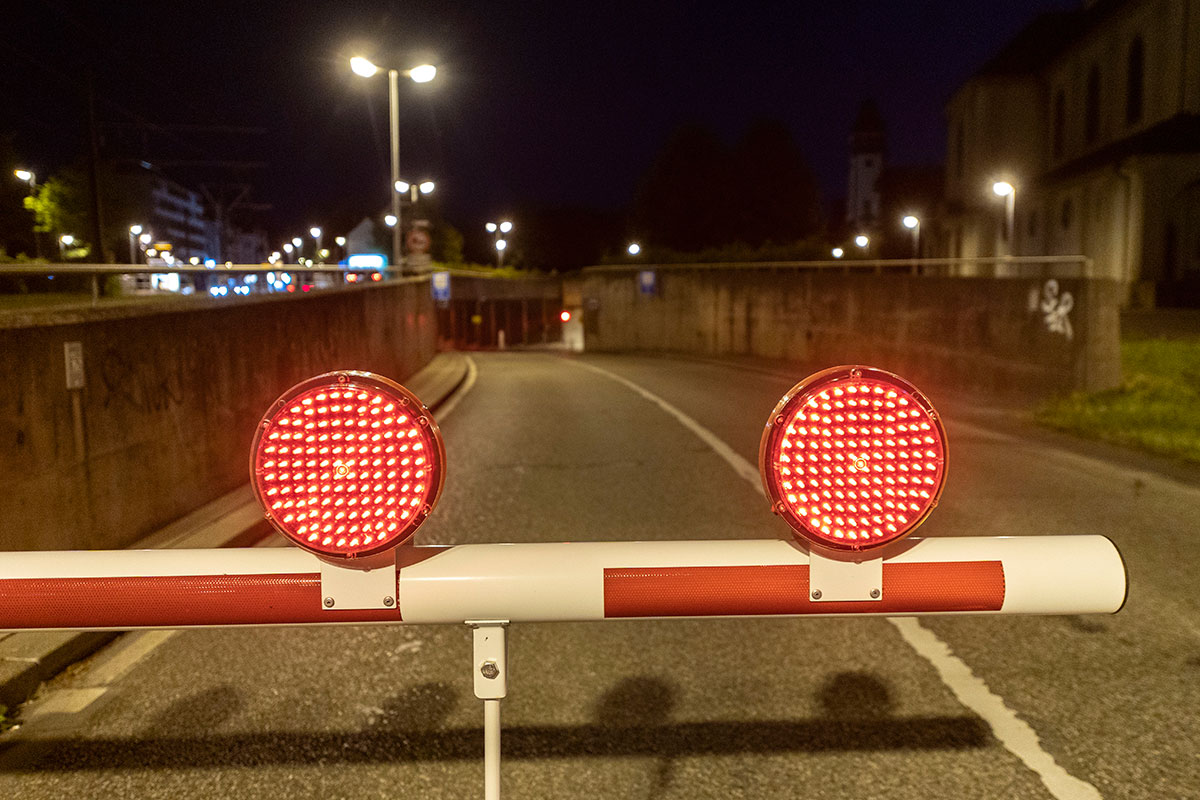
{"points": [[536, 104]]}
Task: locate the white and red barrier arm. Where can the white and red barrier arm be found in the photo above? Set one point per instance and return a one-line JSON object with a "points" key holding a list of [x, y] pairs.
{"points": [[575, 581]]}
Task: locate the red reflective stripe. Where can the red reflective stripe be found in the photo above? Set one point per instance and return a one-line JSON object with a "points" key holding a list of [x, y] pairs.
{"points": [[732, 591], [172, 602]]}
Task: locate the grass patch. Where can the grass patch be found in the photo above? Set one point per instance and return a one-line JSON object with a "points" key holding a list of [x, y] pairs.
{"points": [[1157, 407]]}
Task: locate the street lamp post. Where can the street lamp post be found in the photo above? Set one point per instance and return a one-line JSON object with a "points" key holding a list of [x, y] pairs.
{"points": [[64, 241], [498, 229], [134, 232], [28, 177], [420, 74], [913, 223], [1009, 193], [316, 233]]}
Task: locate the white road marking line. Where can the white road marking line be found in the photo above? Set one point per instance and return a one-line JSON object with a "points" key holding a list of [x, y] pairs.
{"points": [[459, 393], [1015, 734]]}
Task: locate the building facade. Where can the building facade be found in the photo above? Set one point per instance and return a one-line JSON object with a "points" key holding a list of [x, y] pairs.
{"points": [[1093, 116]]}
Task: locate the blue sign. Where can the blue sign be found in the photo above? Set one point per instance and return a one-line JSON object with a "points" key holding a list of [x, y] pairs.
{"points": [[440, 284], [648, 281]]}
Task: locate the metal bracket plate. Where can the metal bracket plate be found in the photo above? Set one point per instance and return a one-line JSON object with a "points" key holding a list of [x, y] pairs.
{"points": [[834, 580], [350, 587], [490, 651]]}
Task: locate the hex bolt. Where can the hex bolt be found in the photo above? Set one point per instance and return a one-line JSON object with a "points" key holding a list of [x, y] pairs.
{"points": [[329, 602], [816, 594], [874, 594], [489, 670], [389, 601]]}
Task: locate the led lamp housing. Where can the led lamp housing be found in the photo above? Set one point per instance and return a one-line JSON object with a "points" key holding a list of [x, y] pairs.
{"points": [[853, 458], [347, 464]]}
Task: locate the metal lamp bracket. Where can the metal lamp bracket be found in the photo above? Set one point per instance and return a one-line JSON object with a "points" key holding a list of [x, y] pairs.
{"points": [[356, 587], [844, 579]]}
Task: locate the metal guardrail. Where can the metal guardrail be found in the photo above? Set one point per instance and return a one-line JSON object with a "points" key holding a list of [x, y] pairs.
{"points": [[991, 267], [96, 271]]}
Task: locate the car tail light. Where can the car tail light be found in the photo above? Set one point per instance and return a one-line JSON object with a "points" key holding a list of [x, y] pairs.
{"points": [[853, 458], [348, 464]]}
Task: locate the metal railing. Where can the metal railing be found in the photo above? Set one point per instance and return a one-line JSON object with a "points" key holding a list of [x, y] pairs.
{"points": [[96, 271], [990, 267]]}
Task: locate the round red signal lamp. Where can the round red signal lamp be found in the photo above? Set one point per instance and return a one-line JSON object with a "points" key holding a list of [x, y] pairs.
{"points": [[853, 458], [348, 464], [565, 316]]}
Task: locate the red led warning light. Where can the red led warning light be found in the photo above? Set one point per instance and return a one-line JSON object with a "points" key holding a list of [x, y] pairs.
{"points": [[565, 316], [348, 464], [853, 458]]}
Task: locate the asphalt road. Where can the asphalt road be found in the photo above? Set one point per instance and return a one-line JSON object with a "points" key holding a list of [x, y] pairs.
{"points": [[542, 449]]}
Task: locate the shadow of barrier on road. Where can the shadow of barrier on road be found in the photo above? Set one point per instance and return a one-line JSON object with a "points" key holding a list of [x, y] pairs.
{"points": [[631, 722], [679, 739]]}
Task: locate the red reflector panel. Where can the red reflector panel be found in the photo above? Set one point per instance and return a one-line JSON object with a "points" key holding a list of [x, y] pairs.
{"points": [[348, 464], [853, 458], [914, 588]]}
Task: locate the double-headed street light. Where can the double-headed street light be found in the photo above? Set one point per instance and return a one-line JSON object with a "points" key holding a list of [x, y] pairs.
{"points": [[419, 74], [498, 229], [1009, 193]]}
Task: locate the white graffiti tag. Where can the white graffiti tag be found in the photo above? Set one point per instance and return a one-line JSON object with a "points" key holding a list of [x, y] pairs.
{"points": [[1055, 309]]}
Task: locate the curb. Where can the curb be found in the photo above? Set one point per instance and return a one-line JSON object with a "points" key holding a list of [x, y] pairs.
{"points": [[29, 658]]}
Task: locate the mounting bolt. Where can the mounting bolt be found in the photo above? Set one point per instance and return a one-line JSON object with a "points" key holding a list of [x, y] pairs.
{"points": [[329, 602], [816, 594], [389, 601], [489, 670], [874, 594]]}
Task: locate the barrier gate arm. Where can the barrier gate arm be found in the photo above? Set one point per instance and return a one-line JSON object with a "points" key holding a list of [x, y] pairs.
{"points": [[551, 582], [348, 464]]}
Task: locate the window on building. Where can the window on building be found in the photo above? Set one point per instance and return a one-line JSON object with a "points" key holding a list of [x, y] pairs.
{"points": [[1091, 121], [1135, 81], [1060, 122]]}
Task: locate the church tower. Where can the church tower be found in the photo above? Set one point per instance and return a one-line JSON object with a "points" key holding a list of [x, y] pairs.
{"points": [[866, 165]]}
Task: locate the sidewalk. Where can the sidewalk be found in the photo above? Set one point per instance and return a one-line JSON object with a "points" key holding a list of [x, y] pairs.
{"points": [[28, 658]]}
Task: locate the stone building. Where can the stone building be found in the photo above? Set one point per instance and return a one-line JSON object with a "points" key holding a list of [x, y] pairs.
{"points": [[1093, 115]]}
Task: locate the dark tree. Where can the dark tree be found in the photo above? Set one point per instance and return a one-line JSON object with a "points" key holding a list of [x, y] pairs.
{"points": [[685, 202], [776, 195]]}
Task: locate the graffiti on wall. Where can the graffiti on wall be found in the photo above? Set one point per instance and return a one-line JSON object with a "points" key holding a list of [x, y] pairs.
{"points": [[1054, 306]]}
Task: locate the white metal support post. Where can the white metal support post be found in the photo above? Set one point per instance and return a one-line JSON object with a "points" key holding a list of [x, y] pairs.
{"points": [[490, 670]]}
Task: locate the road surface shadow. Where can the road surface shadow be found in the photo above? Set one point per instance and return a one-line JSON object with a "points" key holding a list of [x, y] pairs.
{"points": [[632, 719]]}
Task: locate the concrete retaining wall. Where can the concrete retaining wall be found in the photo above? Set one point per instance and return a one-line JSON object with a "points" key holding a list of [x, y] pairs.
{"points": [[1007, 336], [170, 401]]}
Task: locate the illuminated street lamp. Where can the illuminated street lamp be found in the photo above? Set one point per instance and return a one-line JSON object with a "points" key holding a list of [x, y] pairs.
{"points": [[419, 74], [914, 224], [1009, 193], [134, 232], [316, 233], [28, 177], [390, 220], [862, 241], [838, 252], [288, 247], [297, 242], [633, 249], [65, 241], [497, 229]]}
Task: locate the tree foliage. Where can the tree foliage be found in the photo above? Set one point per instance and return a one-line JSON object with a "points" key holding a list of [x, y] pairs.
{"points": [[700, 194]]}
